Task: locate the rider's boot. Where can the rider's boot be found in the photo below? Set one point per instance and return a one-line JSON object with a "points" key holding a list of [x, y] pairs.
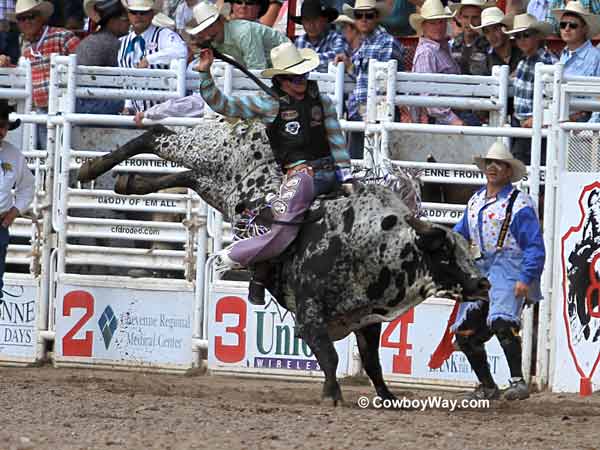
{"points": [[256, 290]]}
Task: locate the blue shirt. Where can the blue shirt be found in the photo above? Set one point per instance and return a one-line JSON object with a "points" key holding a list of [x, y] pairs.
{"points": [[585, 61], [330, 45], [378, 45], [538, 9]]}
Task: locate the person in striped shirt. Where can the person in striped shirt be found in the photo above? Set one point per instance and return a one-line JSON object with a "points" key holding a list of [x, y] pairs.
{"points": [[307, 142]]}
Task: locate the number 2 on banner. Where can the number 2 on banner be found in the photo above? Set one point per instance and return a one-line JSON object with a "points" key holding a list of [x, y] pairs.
{"points": [[70, 345], [231, 353], [401, 363]]}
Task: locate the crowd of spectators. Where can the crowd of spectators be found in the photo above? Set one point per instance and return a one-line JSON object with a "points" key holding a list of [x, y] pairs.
{"points": [[468, 37]]}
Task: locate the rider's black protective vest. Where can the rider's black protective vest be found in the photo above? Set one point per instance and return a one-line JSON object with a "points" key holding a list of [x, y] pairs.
{"points": [[298, 132]]}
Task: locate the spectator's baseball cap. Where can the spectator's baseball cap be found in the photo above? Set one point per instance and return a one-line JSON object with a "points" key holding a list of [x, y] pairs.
{"points": [[577, 9], [5, 111], [313, 8], [431, 10], [289, 60], [524, 22], [494, 16], [456, 7], [139, 5], [499, 152], [366, 5], [45, 8], [205, 14]]}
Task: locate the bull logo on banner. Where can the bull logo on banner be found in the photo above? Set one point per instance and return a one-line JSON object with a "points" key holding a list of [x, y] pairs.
{"points": [[580, 257]]}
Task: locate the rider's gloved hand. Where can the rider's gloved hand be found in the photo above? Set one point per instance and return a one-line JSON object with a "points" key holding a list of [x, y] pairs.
{"points": [[343, 174]]}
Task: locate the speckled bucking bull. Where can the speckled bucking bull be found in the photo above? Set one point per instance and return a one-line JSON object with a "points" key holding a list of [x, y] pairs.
{"points": [[366, 260]]}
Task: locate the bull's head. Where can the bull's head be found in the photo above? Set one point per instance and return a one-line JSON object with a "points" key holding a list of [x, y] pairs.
{"points": [[448, 259]]}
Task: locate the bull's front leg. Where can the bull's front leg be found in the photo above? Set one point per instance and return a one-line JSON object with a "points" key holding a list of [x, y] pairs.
{"points": [[311, 323], [367, 339]]}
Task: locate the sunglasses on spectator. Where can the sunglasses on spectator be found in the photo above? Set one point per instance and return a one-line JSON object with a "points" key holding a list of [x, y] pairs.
{"points": [[294, 79], [245, 2], [366, 16], [571, 25], [139, 13], [525, 35], [27, 17]]}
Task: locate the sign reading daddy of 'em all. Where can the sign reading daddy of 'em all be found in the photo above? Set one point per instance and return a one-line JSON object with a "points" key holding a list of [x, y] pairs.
{"points": [[18, 309], [112, 325]]}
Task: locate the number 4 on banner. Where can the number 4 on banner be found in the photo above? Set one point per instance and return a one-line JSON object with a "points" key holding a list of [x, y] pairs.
{"points": [[70, 345], [401, 363]]}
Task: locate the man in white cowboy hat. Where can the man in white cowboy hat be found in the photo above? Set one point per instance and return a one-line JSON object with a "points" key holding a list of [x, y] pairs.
{"points": [[502, 51], [470, 48], [577, 27], [101, 48], [349, 31], [376, 44], [529, 35], [249, 43], [592, 6], [501, 224], [432, 54], [147, 46], [307, 142], [319, 35], [14, 175], [39, 42]]}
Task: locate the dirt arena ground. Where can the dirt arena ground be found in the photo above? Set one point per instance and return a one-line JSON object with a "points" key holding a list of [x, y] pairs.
{"points": [[47, 408]]}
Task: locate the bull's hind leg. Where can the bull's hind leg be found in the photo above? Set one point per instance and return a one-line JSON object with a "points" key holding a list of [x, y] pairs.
{"points": [[144, 143], [368, 347], [135, 184]]}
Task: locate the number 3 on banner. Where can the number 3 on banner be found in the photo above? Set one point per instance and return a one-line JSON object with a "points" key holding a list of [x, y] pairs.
{"points": [[225, 352], [401, 363], [70, 345]]}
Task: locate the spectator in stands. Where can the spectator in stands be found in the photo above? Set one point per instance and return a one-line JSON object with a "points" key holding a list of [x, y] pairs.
{"points": [[349, 31], [396, 23], [161, 20], [455, 26], [9, 33], [592, 6], [503, 50], [183, 14], [15, 175], [433, 56], [39, 42], [101, 48], [320, 36], [68, 14], [470, 48], [376, 44], [538, 9], [529, 34], [247, 42], [147, 46]]}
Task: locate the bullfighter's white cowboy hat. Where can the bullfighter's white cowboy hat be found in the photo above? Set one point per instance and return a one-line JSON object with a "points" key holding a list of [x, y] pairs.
{"points": [[524, 22], [494, 16], [289, 60], [499, 152], [576, 8], [205, 14], [431, 10], [456, 7], [366, 5], [44, 7]]}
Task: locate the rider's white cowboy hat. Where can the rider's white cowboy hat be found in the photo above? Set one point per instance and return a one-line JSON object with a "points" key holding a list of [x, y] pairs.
{"points": [[494, 16], [205, 14], [499, 152], [163, 21], [431, 10], [44, 7], [456, 7], [576, 8], [289, 60], [366, 5], [524, 22], [139, 5]]}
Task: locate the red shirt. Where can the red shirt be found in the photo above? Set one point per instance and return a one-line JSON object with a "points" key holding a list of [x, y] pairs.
{"points": [[51, 40]]}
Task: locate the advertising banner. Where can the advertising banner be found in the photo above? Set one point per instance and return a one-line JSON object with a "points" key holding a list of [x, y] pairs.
{"points": [[124, 326], [576, 308], [18, 313]]}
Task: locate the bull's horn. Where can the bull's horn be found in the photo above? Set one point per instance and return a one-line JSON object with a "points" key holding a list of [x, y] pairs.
{"points": [[420, 226]]}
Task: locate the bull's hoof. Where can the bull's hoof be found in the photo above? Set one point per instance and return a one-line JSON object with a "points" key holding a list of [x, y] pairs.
{"points": [[332, 394], [332, 402], [87, 172], [125, 184]]}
